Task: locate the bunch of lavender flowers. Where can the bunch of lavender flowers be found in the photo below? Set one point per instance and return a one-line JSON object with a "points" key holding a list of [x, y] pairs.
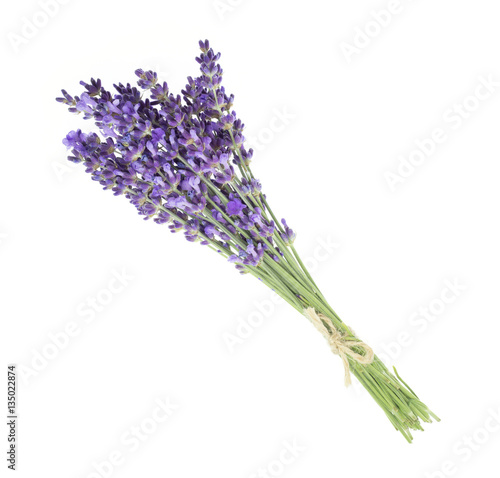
{"points": [[181, 160]]}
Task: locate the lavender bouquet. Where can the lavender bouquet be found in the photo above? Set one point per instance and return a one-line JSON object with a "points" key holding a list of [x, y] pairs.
{"points": [[181, 160]]}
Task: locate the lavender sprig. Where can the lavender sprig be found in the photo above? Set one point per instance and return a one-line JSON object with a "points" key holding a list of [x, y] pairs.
{"points": [[181, 160]]}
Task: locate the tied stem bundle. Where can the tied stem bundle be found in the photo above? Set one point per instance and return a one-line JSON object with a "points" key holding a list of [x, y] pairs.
{"points": [[342, 345], [401, 405], [181, 160]]}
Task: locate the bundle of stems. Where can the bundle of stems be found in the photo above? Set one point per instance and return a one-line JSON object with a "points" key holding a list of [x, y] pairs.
{"points": [[182, 161], [401, 405]]}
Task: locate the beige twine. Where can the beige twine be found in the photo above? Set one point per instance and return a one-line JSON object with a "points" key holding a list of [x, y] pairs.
{"points": [[339, 343]]}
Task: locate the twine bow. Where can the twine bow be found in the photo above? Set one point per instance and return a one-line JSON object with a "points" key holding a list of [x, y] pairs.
{"points": [[339, 343]]}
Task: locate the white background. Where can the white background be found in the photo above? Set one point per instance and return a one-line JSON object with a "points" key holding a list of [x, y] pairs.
{"points": [[381, 256]]}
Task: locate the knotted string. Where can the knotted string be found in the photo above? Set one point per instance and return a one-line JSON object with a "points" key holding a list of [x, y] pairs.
{"points": [[340, 344]]}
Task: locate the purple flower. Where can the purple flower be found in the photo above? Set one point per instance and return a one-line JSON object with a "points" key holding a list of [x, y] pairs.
{"points": [[160, 92], [234, 207], [173, 157], [148, 79], [288, 236], [157, 135], [75, 139]]}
